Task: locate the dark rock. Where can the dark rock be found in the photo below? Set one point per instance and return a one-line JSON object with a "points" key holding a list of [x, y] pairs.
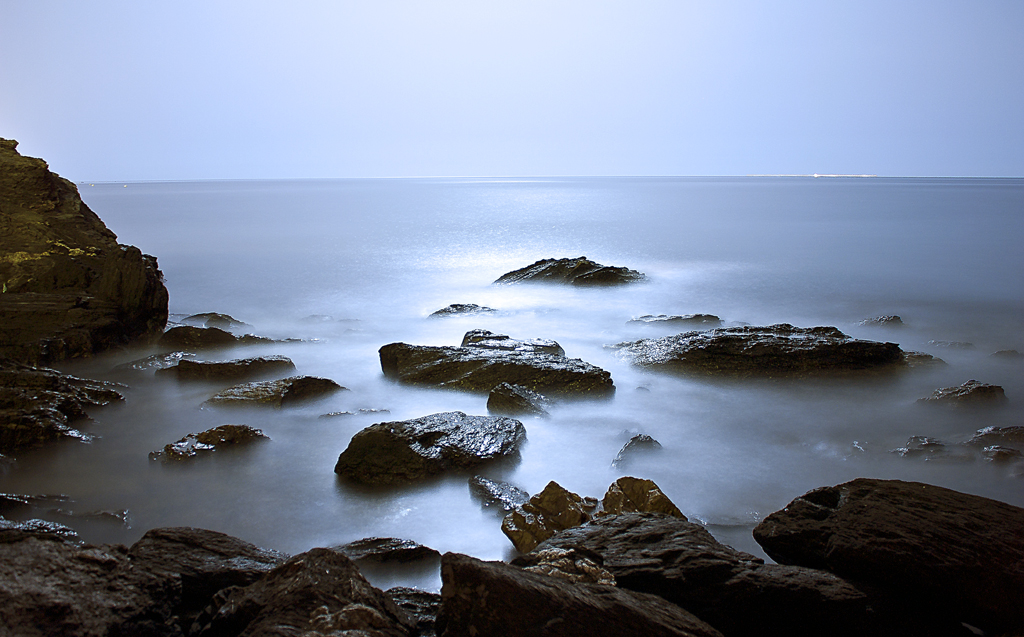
{"points": [[497, 495], [276, 393], [997, 453], [37, 405], [639, 445], [889, 320], [320, 592], [233, 370], [684, 320], [489, 340], [70, 289], [970, 394], [997, 436], [207, 442], [549, 511], [579, 271], [462, 309], [951, 344], [387, 549], [915, 360], [939, 551], [409, 450], [421, 606], [637, 495], [1008, 355], [574, 564], [777, 350], [358, 412], [495, 599], [931, 449], [731, 590], [191, 337], [11, 532], [513, 400], [213, 319], [155, 362]]}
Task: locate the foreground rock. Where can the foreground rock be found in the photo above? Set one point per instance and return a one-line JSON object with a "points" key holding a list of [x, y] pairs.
{"points": [[580, 271], [462, 309], [480, 367], [276, 393], [233, 370], [38, 405], [421, 606], [970, 394], [495, 599], [936, 550], [777, 350], [513, 400], [207, 442], [70, 289], [404, 451], [706, 321], [552, 510]]}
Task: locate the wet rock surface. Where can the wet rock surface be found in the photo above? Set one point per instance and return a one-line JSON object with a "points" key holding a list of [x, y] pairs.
{"points": [[777, 350], [192, 337], [970, 394], [677, 320], [936, 551], [888, 320], [513, 400], [409, 450], [276, 393], [214, 319], [11, 531], [201, 444], [494, 494], [553, 509], [233, 370], [486, 339], [637, 495], [575, 564], [155, 362], [387, 549], [496, 599], [421, 606], [70, 289], [638, 447], [986, 436], [462, 309], [580, 271]]}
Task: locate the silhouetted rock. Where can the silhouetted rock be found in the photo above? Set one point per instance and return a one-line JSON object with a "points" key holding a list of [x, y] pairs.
{"points": [[462, 309], [637, 495], [580, 271], [933, 550], [513, 400], [409, 450], [497, 495], [276, 393], [970, 394], [233, 370], [1008, 355], [69, 289], [638, 446], [204, 443], [676, 320], [387, 549], [547, 512], [213, 319], [889, 320]]}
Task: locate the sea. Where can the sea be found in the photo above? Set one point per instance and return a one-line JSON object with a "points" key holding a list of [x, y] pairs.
{"points": [[342, 267]]}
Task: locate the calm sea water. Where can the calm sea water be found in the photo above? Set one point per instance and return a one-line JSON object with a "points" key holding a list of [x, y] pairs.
{"points": [[350, 265]]}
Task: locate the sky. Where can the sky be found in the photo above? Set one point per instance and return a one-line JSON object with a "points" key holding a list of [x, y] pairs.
{"points": [[224, 89]]}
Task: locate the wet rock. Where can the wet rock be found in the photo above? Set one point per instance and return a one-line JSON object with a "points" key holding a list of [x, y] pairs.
{"points": [[497, 495], [462, 309], [403, 451], [497, 600], [387, 549], [17, 503], [970, 394], [320, 592], [951, 344], [637, 495], [421, 606], [207, 442], [574, 564], [358, 412], [513, 400], [915, 360], [213, 319], [935, 550], [12, 532], [676, 321], [580, 271], [551, 510], [1008, 355], [276, 393], [233, 370], [731, 590], [155, 362], [38, 405], [638, 446], [489, 340], [888, 320], [70, 289], [997, 436], [931, 449], [777, 350], [997, 453], [191, 337]]}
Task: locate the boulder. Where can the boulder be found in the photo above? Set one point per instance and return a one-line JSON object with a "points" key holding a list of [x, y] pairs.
{"points": [[497, 600], [574, 564], [462, 309], [513, 400], [192, 337], [497, 495], [638, 446], [676, 320], [276, 393], [777, 350], [382, 550], [733, 591], [409, 450], [207, 442], [970, 394], [888, 320], [421, 606], [69, 289], [637, 495], [580, 271], [486, 339], [233, 370], [551, 510], [936, 550]]}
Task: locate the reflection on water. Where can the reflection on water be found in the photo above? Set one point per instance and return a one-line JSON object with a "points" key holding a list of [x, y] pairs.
{"points": [[374, 258]]}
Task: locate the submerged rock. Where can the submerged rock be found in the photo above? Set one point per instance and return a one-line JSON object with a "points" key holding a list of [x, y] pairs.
{"points": [[462, 309], [194, 445], [276, 393], [381, 550], [213, 319], [931, 449], [1008, 355], [497, 495], [950, 344], [551, 510], [684, 320], [513, 400], [11, 532], [970, 394], [997, 436], [889, 320], [776, 350], [191, 337], [233, 370], [638, 446], [155, 362], [580, 271], [404, 451]]}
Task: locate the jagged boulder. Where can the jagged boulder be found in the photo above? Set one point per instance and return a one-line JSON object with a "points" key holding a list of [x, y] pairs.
{"points": [[233, 370], [637, 495], [553, 509], [276, 393], [579, 271], [207, 442], [513, 400], [970, 394]]}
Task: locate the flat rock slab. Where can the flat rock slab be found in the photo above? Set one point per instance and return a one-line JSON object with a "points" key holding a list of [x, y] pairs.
{"points": [[943, 551], [580, 271], [498, 600], [404, 451], [970, 394], [776, 350], [233, 370], [276, 393]]}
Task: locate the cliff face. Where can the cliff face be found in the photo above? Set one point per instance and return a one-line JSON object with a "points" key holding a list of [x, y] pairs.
{"points": [[69, 289]]}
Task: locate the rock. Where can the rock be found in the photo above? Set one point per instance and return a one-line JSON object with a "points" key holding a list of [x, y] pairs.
{"points": [[574, 564], [155, 362], [889, 320], [421, 606], [636, 495], [233, 370], [498, 600], [11, 532], [276, 393], [930, 449], [207, 442], [213, 319], [403, 451], [489, 340], [916, 360], [480, 368], [950, 344], [733, 591], [37, 405], [997, 436], [937, 550], [70, 289], [358, 412], [970, 394], [639, 445], [191, 337], [551, 510], [997, 453], [462, 309], [497, 495], [319, 592], [1008, 355], [777, 350], [580, 271], [387, 549], [685, 320], [513, 400]]}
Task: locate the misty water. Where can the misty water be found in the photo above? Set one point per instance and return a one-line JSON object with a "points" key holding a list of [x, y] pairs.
{"points": [[351, 265]]}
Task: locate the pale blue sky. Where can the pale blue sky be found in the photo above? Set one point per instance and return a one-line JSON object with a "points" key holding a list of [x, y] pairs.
{"points": [[223, 89]]}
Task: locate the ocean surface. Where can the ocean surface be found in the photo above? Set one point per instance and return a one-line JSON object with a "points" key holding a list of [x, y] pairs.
{"points": [[351, 265]]}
